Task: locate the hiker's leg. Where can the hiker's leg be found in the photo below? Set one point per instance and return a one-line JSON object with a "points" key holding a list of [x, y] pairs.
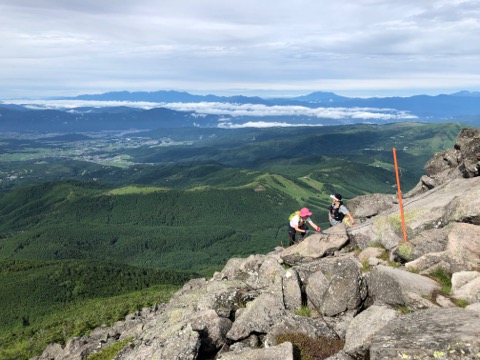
{"points": [[291, 236]]}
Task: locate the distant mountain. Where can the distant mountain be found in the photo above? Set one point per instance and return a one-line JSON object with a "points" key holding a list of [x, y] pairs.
{"points": [[167, 97], [327, 109], [86, 119], [321, 97], [458, 104], [467, 93]]}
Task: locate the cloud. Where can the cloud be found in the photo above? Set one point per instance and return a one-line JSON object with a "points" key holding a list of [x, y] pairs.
{"points": [[57, 47], [260, 124], [232, 110]]}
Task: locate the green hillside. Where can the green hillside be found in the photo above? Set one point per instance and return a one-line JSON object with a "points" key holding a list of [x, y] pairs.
{"points": [[51, 301], [194, 229]]}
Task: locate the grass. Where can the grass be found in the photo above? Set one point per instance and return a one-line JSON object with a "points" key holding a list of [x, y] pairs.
{"points": [[304, 311], [460, 302], [109, 352], [365, 265], [444, 279], [131, 189]]}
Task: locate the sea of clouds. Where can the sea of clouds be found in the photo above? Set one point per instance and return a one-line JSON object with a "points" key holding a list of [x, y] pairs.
{"points": [[233, 110]]}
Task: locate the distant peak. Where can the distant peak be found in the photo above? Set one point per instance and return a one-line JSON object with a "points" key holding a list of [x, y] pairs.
{"points": [[467, 93]]}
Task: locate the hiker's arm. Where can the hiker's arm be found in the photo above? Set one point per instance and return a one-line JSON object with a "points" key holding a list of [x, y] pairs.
{"points": [[351, 218], [299, 230], [313, 225]]}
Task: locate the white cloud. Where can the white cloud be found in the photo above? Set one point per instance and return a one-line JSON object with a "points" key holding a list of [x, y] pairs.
{"points": [[260, 124], [232, 110]]}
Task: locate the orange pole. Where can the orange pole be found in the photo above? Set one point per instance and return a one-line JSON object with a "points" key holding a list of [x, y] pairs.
{"points": [[404, 229]]}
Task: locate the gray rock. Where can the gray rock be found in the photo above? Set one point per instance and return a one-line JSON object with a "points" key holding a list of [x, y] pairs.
{"points": [[370, 252], [466, 286], [242, 269], [364, 326], [397, 287], [341, 355], [283, 351], [258, 317], [429, 334], [269, 272], [346, 289], [366, 206], [316, 246], [212, 328], [182, 344], [317, 285], [294, 324], [462, 251], [473, 307], [292, 293]]}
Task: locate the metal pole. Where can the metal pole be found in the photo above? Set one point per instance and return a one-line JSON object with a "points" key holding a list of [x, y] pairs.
{"points": [[399, 191]]}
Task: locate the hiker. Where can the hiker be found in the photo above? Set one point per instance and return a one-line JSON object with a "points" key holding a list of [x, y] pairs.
{"points": [[338, 211], [298, 223]]}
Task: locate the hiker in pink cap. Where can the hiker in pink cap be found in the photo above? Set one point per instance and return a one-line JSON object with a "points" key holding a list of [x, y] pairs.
{"points": [[298, 223]]}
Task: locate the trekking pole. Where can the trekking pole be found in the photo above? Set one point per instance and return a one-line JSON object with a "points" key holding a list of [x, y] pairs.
{"points": [[399, 191]]}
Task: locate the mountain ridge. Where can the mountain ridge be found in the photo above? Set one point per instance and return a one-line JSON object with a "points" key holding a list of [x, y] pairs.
{"points": [[164, 109]]}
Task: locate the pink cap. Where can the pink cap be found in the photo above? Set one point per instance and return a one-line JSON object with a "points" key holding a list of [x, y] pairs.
{"points": [[304, 212]]}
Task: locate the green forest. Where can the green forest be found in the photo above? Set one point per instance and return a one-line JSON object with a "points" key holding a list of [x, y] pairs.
{"points": [[79, 238]]}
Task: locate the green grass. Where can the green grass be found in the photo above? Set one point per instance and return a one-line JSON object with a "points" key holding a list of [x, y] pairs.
{"points": [[110, 352], [443, 278], [135, 189], [304, 311]]}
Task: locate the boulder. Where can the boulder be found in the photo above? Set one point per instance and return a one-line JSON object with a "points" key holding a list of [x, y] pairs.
{"points": [[430, 334], [364, 326], [294, 324], [283, 351], [292, 292], [397, 287], [316, 246], [466, 286], [258, 317], [366, 206], [462, 252]]}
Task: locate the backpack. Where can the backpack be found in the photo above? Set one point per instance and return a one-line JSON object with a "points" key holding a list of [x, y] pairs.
{"points": [[336, 214], [293, 214]]}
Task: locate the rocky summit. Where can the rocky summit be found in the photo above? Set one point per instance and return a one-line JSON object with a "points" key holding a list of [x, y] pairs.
{"points": [[378, 290]]}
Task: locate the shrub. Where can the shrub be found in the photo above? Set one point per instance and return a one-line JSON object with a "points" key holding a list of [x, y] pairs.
{"points": [[404, 251], [443, 278], [307, 348], [365, 265], [461, 302], [303, 311]]}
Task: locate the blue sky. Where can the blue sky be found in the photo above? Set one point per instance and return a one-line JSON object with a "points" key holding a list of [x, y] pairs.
{"points": [[266, 48]]}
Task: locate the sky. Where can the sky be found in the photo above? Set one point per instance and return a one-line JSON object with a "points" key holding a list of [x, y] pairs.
{"points": [[249, 47]]}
